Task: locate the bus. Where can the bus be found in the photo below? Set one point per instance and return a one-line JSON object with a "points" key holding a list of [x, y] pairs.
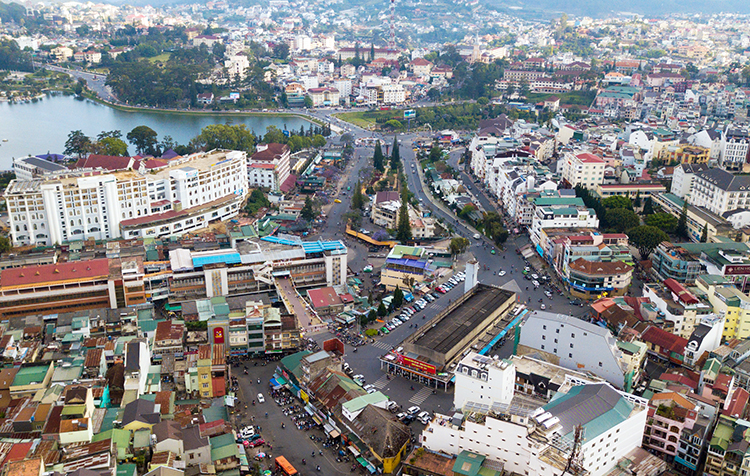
{"points": [[286, 468]]}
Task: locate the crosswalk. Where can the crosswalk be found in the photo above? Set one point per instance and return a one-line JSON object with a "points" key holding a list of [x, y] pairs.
{"points": [[421, 396], [382, 345], [381, 382]]}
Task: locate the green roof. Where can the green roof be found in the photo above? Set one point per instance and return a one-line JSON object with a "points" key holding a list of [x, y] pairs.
{"points": [[121, 438], [400, 250], [223, 446], [29, 375], [109, 418], [128, 469], [628, 347], [468, 463], [142, 438], [357, 404], [722, 436], [73, 410], [547, 201], [712, 365], [291, 362], [215, 413]]}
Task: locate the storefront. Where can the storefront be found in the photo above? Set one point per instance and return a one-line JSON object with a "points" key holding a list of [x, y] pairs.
{"points": [[424, 373]]}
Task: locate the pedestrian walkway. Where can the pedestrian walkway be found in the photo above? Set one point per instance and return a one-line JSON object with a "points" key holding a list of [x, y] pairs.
{"points": [[381, 382], [382, 345], [421, 396]]}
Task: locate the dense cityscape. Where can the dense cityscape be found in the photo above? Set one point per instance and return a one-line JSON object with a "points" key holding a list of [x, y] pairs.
{"points": [[427, 239]]}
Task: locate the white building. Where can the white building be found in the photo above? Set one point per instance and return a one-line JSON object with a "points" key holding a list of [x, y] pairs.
{"points": [[344, 86], [182, 196], [536, 441], [561, 217], [309, 82], [392, 94], [683, 178], [577, 344], [237, 66], [735, 149], [483, 380], [269, 159], [324, 96], [28, 168], [584, 169], [719, 191]]}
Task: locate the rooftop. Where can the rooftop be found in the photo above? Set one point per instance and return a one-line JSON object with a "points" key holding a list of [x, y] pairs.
{"points": [[51, 273]]}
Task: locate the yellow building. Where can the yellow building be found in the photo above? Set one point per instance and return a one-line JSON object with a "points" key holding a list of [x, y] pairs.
{"points": [[730, 302], [686, 154]]}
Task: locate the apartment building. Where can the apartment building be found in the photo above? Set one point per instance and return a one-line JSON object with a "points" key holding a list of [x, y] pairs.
{"points": [[669, 414], [735, 149], [683, 178], [322, 97], [719, 191], [681, 309], [270, 163], [483, 380], [730, 303], [585, 169], [391, 94], [186, 194], [558, 216]]}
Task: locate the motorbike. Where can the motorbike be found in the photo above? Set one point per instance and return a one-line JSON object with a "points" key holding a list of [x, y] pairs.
{"points": [[258, 381], [245, 371], [303, 461]]}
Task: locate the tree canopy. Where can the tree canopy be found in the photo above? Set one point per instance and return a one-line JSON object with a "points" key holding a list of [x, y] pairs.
{"points": [[663, 221], [144, 139], [224, 136], [403, 226], [621, 219], [646, 238]]}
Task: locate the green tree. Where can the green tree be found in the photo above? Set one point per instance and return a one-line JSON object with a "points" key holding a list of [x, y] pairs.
{"points": [[646, 238], [398, 298], [663, 221], [77, 144], [466, 211], [5, 244], [308, 102], [637, 201], [274, 135], [458, 245], [435, 153], [280, 51], [372, 315], [358, 198], [618, 201], [110, 146], [682, 229], [395, 155], [318, 141], [382, 311], [224, 136], [143, 138], [309, 210], [257, 201], [704, 234], [403, 226], [378, 161], [494, 227], [621, 219], [648, 207]]}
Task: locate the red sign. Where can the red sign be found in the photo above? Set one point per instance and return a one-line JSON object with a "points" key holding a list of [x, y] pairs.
{"points": [[417, 364], [218, 335], [737, 269]]}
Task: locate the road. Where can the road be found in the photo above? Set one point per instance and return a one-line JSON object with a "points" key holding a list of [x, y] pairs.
{"points": [[95, 82]]}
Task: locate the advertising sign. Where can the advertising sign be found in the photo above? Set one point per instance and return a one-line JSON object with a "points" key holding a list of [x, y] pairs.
{"points": [[410, 113], [218, 335], [737, 269], [417, 364]]}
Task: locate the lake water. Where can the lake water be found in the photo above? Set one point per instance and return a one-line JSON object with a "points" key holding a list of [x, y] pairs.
{"points": [[43, 126]]}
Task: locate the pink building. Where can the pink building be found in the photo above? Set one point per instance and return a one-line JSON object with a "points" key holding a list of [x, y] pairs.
{"points": [[668, 414]]}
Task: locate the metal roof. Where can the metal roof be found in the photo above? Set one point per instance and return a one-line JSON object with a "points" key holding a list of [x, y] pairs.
{"points": [[226, 257]]}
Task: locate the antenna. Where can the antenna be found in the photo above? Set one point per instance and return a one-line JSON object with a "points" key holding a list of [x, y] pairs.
{"points": [[392, 41]]}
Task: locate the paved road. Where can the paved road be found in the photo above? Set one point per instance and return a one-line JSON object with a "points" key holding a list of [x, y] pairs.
{"points": [[95, 82]]}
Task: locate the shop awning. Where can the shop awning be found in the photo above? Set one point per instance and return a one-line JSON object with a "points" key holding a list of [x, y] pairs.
{"points": [[328, 428], [335, 434], [281, 380], [354, 451], [317, 419], [274, 384]]}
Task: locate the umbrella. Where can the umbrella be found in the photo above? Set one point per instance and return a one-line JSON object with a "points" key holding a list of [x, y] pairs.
{"points": [[260, 456]]}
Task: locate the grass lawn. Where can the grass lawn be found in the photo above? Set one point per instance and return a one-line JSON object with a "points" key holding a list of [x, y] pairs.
{"points": [[366, 119], [160, 58], [581, 98]]}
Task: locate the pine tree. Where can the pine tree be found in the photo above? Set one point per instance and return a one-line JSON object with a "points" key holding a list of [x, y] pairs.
{"points": [[704, 235], [382, 310], [398, 298], [395, 155], [682, 223], [377, 159], [372, 51], [637, 201], [648, 207], [403, 227], [358, 198]]}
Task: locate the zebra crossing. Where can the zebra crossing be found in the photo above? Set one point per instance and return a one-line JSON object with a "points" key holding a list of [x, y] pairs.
{"points": [[381, 382], [421, 396], [382, 345]]}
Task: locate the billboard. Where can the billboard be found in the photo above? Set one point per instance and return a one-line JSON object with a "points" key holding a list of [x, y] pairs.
{"points": [[736, 269], [410, 113], [416, 364], [218, 335]]}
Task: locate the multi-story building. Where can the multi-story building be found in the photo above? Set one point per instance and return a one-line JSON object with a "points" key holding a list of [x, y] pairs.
{"points": [[483, 380], [692, 446], [187, 194], [324, 96], [29, 168], [682, 310], [730, 303], [274, 159], [590, 279], [385, 213], [405, 266], [585, 169], [669, 414], [683, 178], [537, 440], [686, 154], [670, 261], [728, 453], [698, 218], [719, 191], [391, 94], [577, 216], [574, 344], [735, 149]]}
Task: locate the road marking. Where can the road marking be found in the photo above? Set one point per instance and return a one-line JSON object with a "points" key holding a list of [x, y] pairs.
{"points": [[381, 382], [382, 345], [421, 396]]}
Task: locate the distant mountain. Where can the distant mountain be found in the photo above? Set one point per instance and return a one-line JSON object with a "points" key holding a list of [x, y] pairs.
{"points": [[599, 8]]}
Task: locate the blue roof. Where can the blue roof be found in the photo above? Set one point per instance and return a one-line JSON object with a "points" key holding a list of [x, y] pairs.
{"points": [[230, 257], [412, 263], [309, 246]]}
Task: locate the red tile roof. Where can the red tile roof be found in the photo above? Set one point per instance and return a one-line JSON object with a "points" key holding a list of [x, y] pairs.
{"points": [[666, 340], [324, 297], [737, 403], [589, 158], [19, 452], [108, 162], [681, 292], [272, 152], [73, 270]]}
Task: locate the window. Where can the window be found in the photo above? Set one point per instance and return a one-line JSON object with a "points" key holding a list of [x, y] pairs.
{"points": [[542, 346], [571, 345], [600, 364]]}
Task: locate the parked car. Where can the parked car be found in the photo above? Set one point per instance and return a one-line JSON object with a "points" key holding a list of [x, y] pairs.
{"points": [[258, 442], [424, 417], [392, 406], [369, 387], [502, 273], [413, 410]]}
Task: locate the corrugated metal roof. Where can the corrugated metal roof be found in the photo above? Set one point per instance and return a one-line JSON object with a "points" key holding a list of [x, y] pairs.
{"points": [[212, 257]]}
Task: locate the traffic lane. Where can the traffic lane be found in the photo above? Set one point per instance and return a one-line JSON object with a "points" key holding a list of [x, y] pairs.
{"points": [[289, 442]]}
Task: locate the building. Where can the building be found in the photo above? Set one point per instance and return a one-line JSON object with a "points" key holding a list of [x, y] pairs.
{"points": [[727, 448], [730, 303], [555, 216], [735, 149], [681, 310], [29, 168], [631, 190], [698, 218], [719, 191], [322, 97], [269, 166], [483, 380], [683, 178], [537, 440], [182, 195], [585, 169], [391, 94], [590, 279], [406, 267], [574, 344], [670, 261], [385, 213], [440, 343], [686, 154], [669, 415]]}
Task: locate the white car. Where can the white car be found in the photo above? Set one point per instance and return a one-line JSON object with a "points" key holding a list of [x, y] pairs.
{"points": [[247, 432], [535, 283], [261, 399], [413, 410], [502, 273], [369, 387], [424, 417], [543, 306]]}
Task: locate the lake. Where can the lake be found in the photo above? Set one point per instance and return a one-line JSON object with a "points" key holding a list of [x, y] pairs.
{"points": [[43, 126]]}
